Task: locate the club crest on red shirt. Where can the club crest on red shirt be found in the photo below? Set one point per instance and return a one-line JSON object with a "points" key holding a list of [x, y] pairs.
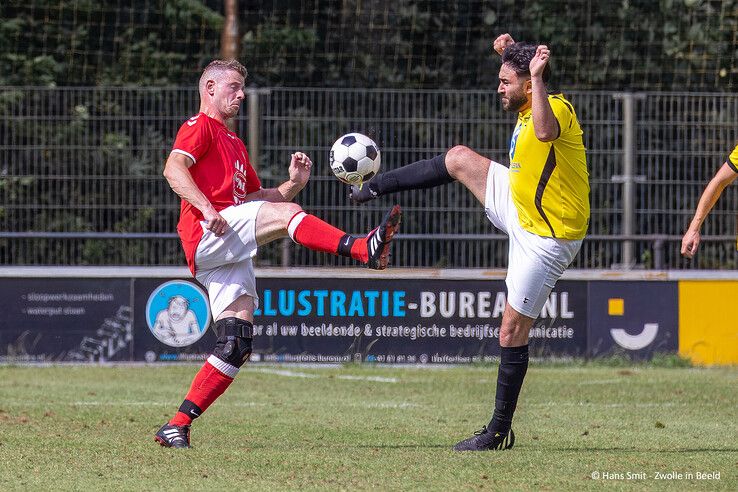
{"points": [[239, 183]]}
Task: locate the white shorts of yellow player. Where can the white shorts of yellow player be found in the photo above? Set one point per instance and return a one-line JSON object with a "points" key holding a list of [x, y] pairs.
{"points": [[535, 263], [224, 264]]}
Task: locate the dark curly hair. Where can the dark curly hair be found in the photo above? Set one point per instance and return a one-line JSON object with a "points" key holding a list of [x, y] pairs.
{"points": [[518, 56]]}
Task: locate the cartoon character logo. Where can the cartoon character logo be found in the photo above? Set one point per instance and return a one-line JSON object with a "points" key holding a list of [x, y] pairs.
{"points": [[178, 313]]}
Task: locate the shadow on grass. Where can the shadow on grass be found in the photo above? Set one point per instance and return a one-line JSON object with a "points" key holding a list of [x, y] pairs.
{"points": [[357, 446]]}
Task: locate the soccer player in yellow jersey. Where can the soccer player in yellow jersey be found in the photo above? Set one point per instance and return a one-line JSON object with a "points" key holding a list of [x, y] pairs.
{"points": [[541, 201], [723, 177]]}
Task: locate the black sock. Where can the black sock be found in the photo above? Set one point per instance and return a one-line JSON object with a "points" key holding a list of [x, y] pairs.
{"points": [[426, 173], [513, 366]]}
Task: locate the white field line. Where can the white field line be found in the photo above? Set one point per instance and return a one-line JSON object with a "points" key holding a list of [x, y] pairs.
{"points": [[377, 379], [386, 405], [94, 403], [296, 374], [603, 405], [601, 381], [390, 404], [285, 372]]}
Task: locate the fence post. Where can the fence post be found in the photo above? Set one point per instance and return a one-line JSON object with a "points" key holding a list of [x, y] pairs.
{"points": [[628, 178], [254, 143], [286, 251], [658, 254]]}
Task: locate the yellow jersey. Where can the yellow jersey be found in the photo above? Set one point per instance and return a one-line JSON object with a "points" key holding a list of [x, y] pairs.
{"points": [[733, 159], [549, 182]]}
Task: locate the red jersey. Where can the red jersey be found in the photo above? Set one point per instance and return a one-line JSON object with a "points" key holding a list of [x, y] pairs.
{"points": [[221, 170]]}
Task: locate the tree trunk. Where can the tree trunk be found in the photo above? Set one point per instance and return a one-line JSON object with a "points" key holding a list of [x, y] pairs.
{"points": [[230, 40], [230, 43]]}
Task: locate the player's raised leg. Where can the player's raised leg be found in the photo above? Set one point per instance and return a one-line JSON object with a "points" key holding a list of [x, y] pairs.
{"points": [[278, 220], [459, 163]]}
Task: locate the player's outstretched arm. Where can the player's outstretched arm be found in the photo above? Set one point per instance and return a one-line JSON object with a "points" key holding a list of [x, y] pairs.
{"points": [[300, 166], [691, 240], [177, 174]]}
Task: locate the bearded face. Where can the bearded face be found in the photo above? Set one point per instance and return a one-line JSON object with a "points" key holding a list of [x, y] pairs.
{"points": [[513, 90]]}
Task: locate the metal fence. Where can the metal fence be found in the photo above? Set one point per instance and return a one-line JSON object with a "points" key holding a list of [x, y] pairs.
{"points": [[80, 172]]}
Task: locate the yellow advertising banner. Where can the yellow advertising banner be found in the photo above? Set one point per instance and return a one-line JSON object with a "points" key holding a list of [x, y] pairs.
{"points": [[708, 321]]}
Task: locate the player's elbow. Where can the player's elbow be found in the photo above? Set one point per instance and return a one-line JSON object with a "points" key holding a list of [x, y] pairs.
{"points": [[168, 172], [546, 134]]}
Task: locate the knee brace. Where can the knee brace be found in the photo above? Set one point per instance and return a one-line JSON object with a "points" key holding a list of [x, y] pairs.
{"points": [[234, 340]]}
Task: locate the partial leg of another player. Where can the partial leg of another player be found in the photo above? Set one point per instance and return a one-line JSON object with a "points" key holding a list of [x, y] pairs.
{"points": [[278, 220]]}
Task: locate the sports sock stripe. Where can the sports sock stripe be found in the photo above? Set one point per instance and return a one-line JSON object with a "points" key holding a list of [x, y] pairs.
{"points": [[223, 366], [294, 222]]}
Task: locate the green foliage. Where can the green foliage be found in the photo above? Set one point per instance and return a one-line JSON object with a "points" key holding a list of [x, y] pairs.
{"points": [[153, 42], [610, 44]]}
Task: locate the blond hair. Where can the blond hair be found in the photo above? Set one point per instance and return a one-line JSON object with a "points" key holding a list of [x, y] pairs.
{"points": [[217, 67]]}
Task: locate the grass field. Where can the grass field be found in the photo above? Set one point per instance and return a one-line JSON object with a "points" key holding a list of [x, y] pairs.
{"points": [[354, 427]]}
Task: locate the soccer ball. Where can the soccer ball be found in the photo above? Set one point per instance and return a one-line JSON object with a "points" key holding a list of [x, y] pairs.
{"points": [[355, 158]]}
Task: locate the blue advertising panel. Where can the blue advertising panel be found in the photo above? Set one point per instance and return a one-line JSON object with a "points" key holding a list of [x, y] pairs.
{"points": [[408, 321], [385, 320], [633, 318], [69, 319]]}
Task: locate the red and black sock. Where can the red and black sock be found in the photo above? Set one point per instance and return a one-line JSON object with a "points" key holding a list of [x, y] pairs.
{"points": [[313, 233], [208, 385]]}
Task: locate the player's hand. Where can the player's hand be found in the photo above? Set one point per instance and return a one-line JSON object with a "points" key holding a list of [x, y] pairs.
{"points": [[300, 166], [363, 194], [690, 243], [502, 42], [214, 222], [539, 61]]}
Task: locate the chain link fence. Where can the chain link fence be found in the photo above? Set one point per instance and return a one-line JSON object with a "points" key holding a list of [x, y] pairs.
{"points": [[81, 184]]}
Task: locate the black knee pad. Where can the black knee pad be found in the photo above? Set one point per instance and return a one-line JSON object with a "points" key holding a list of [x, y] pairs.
{"points": [[234, 342]]}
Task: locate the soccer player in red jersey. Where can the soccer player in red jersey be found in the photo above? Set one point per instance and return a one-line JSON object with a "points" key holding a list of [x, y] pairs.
{"points": [[225, 216]]}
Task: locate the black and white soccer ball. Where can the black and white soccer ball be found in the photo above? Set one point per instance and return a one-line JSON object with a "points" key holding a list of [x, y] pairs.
{"points": [[355, 158]]}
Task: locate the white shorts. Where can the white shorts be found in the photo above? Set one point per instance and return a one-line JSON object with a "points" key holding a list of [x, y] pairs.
{"points": [[535, 263], [224, 264]]}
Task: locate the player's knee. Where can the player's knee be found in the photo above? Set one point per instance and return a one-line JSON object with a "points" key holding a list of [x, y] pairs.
{"points": [[234, 344], [458, 159], [287, 211], [291, 208], [277, 216], [512, 335], [506, 337]]}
